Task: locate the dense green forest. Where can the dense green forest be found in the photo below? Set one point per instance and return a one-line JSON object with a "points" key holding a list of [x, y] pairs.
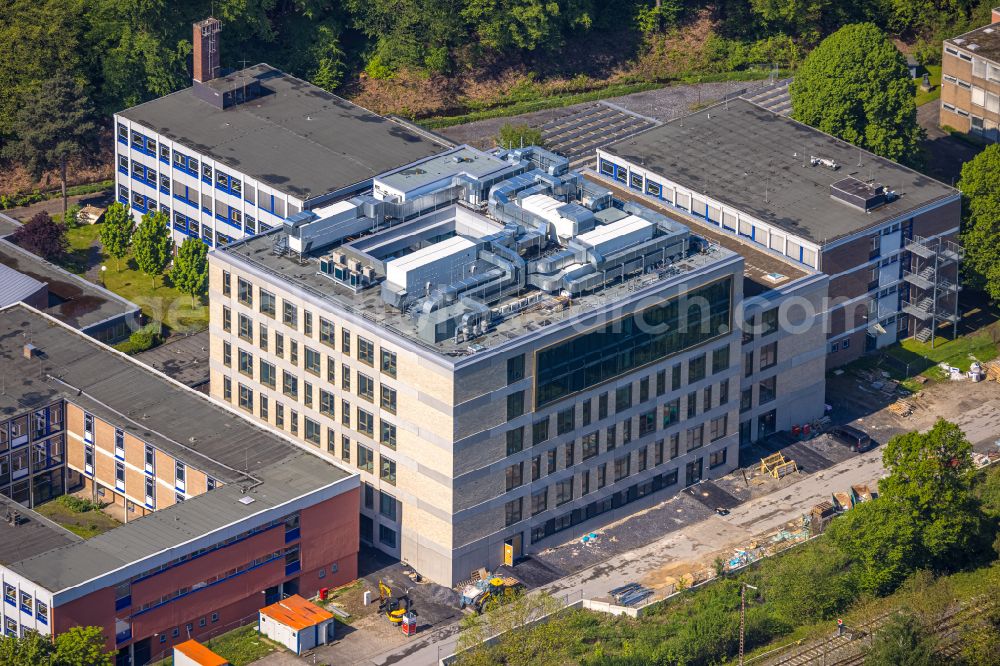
{"points": [[414, 57]]}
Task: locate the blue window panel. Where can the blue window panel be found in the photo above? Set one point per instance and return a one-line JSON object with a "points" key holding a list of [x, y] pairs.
{"points": [[607, 168], [124, 602], [291, 535], [293, 568], [123, 636]]}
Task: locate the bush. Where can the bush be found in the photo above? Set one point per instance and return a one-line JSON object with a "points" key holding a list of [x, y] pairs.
{"points": [[378, 69], [78, 504], [145, 338]]}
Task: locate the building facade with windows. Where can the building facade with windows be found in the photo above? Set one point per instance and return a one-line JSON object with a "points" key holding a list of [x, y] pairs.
{"points": [[236, 154], [883, 234], [221, 515], [502, 349], [970, 81]]}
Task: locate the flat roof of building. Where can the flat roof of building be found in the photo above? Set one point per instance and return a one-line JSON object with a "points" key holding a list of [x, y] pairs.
{"points": [[258, 252], [757, 263], [72, 299], [200, 654], [297, 138], [984, 42], [474, 162], [147, 404], [32, 535], [759, 162]]}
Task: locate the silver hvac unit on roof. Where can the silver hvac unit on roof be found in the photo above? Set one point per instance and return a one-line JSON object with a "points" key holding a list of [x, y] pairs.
{"points": [[823, 161]]}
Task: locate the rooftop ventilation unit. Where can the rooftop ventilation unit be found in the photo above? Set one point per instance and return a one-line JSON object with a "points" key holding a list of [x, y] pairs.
{"points": [[973, 47], [823, 161], [959, 40], [860, 195]]}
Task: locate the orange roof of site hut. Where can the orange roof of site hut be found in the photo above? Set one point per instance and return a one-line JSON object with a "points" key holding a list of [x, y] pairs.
{"points": [[296, 612]]}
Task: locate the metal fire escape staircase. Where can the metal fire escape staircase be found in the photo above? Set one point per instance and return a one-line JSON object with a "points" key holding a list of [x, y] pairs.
{"points": [[933, 286]]}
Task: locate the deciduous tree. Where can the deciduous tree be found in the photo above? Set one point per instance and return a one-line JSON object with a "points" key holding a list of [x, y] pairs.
{"points": [[43, 236], [980, 186], [81, 646], [902, 641], [152, 244], [116, 231], [190, 272], [856, 86]]}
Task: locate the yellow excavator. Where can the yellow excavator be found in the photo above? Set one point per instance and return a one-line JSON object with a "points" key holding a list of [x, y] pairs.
{"points": [[498, 590], [394, 608]]}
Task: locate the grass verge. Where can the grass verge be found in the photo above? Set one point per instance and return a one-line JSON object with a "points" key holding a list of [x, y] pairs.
{"points": [[158, 298], [239, 647], [924, 97]]}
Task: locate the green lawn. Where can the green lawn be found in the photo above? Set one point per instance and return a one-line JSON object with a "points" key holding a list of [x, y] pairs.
{"points": [[960, 353], [86, 524], [158, 299], [923, 97], [240, 646]]}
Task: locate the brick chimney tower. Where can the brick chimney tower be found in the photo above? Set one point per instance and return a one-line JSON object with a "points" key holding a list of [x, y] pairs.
{"points": [[206, 49]]}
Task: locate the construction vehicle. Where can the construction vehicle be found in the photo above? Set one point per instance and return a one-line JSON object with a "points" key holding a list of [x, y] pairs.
{"points": [[394, 608], [494, 590]]}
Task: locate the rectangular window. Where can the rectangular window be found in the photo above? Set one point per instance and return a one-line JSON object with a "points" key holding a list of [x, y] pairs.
{"points": [[611, 438], [671, 412], [695, 437], [769, 355], [515, 405], [326, 332], [539, 501], [345, 448], [327, 403], [387, 536], [268, 374], [345, 413], [536, 468], [550, 461], [569, 453], [642, 459], [724, 392], [388, 473], [388, 362], [119, 443], [602, 406], [150, 459], [769, 322], [717, 428], [565, 420], [262, 336], [366, 351], [564, 491], [246, 398], [227, 285], [345, 340], [365, 459], [366, 387], [585, 420], [244, 292], [706, 403], [692, 404], [227, 389], [120, 475], [720, 359], [514, 475], [289, 384], [515, 441], [246, 363], [345, 377], [623, 398], [717, 458], [644, 389], [623, 467], [279, 415], [696, 369], [589, 445], [388, 399], [245, 330], [313, 361], [264, 413], [540, 431], [647, 423], [307, 323], [515, 369], [675, 377], [267, 304], [767, 390], [584, 482], [279, 345], [387, 434], [366, 423], [602, 475], [313, 432], [386, 505], [180, 475], [289, 314], [512, 511], [227, 319]]}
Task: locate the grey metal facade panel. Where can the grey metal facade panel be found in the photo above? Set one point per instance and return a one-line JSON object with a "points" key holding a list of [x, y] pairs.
{"points": [[759, 162], [298, 138]]}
